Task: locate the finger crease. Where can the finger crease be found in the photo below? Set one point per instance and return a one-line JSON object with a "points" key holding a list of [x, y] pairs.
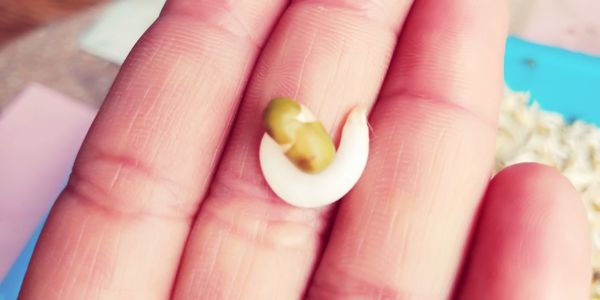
{"points": [[407, 95], [122, 187]]}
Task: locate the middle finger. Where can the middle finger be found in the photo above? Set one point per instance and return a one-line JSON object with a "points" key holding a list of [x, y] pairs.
{"points": [[330, 55]]}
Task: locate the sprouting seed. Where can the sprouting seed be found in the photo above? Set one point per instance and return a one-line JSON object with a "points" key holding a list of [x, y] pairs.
{"points": [[299, 160]]}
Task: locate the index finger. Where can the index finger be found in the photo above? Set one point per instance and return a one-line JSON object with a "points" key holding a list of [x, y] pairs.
{"points": [[118, 229]]}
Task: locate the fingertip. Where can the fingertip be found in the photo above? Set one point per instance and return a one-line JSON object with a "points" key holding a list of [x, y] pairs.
{"points": [[529, 176], [532, 240], [540, 188]]}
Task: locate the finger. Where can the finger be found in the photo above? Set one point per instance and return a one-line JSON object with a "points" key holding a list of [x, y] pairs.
{"points": [[119, 228], [401, 232], [330, 55], [532, 241]]}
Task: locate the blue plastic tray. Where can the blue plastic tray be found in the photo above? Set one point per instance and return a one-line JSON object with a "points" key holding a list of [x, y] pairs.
{"points": [[9, 288], [560, 80]]}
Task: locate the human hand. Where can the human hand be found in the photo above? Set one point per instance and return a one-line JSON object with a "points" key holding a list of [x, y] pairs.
{"points": [[150, 213]]}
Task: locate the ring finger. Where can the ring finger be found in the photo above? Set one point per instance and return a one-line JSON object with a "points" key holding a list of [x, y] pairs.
{"points": [[401, 232]]}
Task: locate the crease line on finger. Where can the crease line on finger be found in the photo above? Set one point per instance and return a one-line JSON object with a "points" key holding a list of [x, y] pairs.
{"points": [[406, 95]]}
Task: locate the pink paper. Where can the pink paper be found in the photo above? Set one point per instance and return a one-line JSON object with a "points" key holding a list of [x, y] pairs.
{"points": [[40, 134], [570, 24]]}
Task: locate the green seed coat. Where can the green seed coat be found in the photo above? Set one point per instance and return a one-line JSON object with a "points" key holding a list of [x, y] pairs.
{"points": [[308, 145]]}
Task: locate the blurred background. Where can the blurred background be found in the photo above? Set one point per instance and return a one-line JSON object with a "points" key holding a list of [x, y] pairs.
{"points": [[569, 23], [59, 57], [60, 37]]}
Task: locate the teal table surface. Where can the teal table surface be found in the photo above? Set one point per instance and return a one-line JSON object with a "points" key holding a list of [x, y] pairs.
{"points": [[560, 80]]}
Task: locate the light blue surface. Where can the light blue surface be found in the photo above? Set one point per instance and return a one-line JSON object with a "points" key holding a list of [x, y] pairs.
{"points": [[560, 80], [10, 286]]}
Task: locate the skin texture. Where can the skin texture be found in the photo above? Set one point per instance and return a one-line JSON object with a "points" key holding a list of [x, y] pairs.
{"points": [[166, 198]]}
